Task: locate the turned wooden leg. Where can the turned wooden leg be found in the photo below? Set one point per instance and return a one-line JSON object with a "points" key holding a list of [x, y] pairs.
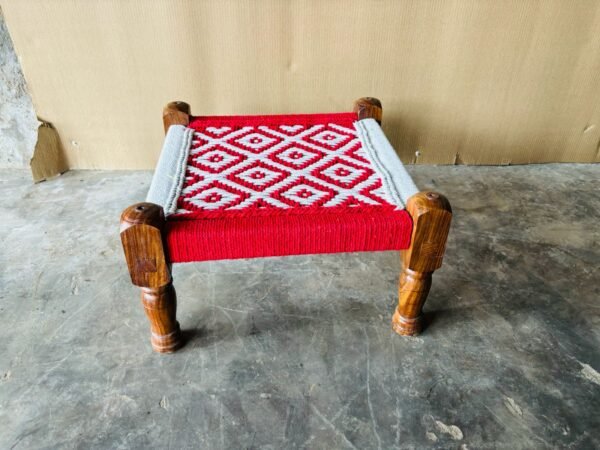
{"points": [[161, 307], [142, 228], [431, 215], [368, 108]]}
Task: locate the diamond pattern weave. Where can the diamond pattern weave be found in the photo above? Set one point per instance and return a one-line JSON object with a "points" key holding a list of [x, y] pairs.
{"points": [[277, 163], [260, 186]]}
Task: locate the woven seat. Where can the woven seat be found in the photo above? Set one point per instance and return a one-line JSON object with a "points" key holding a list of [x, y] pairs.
{"points": [[254, 186], [229, 187]]}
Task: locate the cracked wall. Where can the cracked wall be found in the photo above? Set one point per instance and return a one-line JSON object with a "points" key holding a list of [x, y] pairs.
{"points": [[18, 123]]}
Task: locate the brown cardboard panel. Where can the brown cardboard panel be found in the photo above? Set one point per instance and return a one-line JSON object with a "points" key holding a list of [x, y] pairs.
{"points": [[48, 157], [468, 82]]}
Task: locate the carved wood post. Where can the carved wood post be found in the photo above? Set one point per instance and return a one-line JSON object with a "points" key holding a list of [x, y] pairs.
{"points": [[368, 108], [431, 215], [142, 228], [176, 113]]}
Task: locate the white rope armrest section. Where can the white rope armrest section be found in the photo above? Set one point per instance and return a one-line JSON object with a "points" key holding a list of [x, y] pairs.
{"points": [[397, 183], [170, 171]]}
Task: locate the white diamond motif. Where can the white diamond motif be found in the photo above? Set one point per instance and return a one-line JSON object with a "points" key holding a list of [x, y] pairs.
{"points": [[218, 131], [342, 172], [213, 198], [258, 176], [291, 128], [215, 159], [304, 194], [255, 141], [380, 192], [296, 156], [360, 153], [328, 137]]}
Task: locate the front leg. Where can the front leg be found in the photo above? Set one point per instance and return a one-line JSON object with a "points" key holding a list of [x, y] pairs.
{"points": [[431, 215], [142, 228]]}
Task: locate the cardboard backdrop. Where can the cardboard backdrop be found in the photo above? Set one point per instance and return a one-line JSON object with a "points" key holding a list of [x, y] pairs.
{"points": [[465, 82]]}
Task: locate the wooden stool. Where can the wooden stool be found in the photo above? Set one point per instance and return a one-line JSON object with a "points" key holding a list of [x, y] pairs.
{"points": [[230, 187]]}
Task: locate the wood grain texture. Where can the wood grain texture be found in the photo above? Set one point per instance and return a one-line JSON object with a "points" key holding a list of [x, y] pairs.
{"points": [[142, 228], [160, 305], [431, 214], [141, 236], [368, 108], [176, 113]]}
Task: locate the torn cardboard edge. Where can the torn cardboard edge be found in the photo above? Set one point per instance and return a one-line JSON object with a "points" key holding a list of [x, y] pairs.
{"points": [[48, 158]]}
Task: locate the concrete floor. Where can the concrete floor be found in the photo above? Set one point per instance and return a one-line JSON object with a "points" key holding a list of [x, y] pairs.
{"points": [[297, 352]]}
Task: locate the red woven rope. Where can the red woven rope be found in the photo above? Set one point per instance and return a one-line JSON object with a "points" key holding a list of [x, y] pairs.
{"points": [[201, 122], [266, 191], [280, 235]]}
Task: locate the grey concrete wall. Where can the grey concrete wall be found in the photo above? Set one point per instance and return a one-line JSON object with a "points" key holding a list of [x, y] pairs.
{"points": [[18, 123]]}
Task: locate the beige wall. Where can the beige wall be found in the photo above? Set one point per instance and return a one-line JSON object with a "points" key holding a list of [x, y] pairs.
{"points": [[475, 82]]}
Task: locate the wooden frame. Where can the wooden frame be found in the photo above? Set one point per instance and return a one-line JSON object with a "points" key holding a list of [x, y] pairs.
{"points": [[142, 236]]}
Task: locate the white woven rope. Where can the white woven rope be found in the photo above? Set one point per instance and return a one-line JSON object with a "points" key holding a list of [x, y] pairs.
{"points": [[397, 182], [170, 171]]}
